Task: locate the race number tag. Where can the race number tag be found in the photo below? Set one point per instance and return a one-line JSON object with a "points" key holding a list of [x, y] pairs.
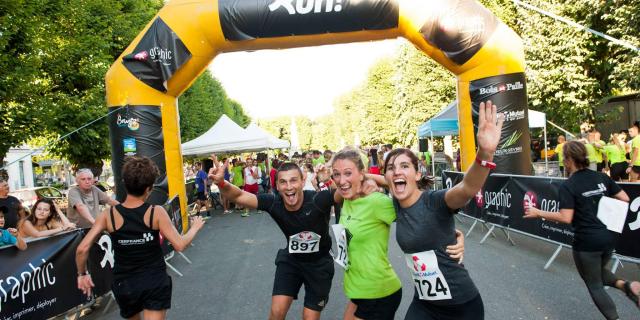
{"points": [[304, 242], [427, 278], [342, 257]]}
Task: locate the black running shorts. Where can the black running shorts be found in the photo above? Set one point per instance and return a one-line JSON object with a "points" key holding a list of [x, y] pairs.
{"points": [[291, 274], [424, 310], [201, 196], [378, 309], [148, 291]]}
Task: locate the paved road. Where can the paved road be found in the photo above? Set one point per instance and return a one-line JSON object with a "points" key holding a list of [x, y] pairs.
{"points": [[233, 266]]}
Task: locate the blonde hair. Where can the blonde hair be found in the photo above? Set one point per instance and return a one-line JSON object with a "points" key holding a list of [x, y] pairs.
{"points": [[349, 153]]}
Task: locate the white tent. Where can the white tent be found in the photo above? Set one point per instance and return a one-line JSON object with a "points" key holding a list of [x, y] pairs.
{"points": [[225, 136], [538, 119], [272, 142]]}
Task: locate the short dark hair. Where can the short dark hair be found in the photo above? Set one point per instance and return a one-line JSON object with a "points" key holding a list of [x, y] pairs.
{"points": [[139, 173], [3, 210], [286, 166]]}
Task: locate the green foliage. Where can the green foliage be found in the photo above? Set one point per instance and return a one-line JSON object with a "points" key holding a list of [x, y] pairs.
{"points": [[203, 104], [570, 72], [53, 57]]}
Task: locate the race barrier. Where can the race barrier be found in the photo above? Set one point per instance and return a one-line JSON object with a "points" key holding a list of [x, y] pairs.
{"points": [[41, 282], [500, 204]]}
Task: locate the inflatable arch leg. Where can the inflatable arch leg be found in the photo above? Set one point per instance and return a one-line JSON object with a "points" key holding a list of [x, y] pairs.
{"points": [[180, 42]]}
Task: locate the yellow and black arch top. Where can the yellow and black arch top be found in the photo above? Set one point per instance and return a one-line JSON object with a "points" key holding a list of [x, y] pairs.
{"points": [[180, 42]]}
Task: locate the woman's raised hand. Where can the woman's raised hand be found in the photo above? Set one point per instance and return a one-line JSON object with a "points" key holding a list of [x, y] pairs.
{"points": [[489, 127]]}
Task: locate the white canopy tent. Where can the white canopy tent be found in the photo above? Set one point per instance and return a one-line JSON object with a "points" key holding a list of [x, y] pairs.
{"points": [[538, 119], [272, 142], [225, 136]]}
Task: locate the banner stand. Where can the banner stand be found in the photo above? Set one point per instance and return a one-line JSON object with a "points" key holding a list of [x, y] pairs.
{"points": [[490, 232], [553, 257], [168, 257]]}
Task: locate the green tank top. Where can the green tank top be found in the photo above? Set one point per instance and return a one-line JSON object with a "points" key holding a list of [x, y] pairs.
{"points": [[614, 153]]}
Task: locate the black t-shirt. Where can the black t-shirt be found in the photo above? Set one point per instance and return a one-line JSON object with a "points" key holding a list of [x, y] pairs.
{"points": [[313, 216], [428, 225], [13, 206], [582, 193]]}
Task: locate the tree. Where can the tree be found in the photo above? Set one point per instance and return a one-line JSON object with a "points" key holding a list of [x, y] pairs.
{"points": [[54, 55], [203, 104]]}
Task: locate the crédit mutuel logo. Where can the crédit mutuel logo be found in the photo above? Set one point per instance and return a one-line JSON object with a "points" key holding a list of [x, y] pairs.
{"points": [[502, 88], [156, 54], [132, 123], [306, 6]]}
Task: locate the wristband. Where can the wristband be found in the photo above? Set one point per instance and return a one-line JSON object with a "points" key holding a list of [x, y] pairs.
{"points": [[86, 273], [487, 164], [221, 184]]}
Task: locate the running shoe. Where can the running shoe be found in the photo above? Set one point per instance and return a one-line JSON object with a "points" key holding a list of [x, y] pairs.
{"points": [[245, 214]]}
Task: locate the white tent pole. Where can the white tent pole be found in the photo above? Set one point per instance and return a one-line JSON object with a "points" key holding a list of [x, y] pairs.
{"points": [[433, 158], [546, 150]]}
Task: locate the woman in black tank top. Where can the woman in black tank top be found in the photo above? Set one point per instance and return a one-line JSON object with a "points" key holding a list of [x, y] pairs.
{"points": [[140, 282]]}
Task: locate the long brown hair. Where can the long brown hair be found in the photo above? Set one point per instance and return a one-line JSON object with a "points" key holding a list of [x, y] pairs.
{"points": [[577, 152], [53, 212], [424, 182]]}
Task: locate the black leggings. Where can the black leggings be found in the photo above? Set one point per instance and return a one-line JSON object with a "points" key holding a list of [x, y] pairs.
{"points": [[423, 310], [593, 270]]}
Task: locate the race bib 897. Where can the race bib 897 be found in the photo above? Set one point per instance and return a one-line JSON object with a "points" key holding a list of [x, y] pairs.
{"points": [[304, 242]]}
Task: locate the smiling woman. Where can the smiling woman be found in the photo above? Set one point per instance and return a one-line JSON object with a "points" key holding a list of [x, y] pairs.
{"points": [[370, 282]]}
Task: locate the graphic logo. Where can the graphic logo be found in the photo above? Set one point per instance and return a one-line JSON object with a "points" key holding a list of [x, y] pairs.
{"points": [[141, 56], [418, 265], [502, 88], [515, 136], [306, 6], [449, 183], [161, 55], [105, 245], [132, 123], [479, 199], [530, 199], [148, 237], [634, 207]]}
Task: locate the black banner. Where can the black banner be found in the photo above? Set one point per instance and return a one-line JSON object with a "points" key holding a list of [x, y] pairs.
{"points": [[137, 130], [157, 56], [41, 282], [502, 198], [509, 93], [252, 19], [459, 28]]}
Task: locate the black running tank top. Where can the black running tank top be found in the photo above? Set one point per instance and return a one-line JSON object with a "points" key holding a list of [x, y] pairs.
{"points": [[136, 246]]}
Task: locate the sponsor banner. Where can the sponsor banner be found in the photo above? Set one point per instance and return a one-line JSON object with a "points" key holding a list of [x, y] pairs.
{"points": [[509, 93], [41, 282], [158, 55], [252, 19], [458, 28], [137, 130], [504, 197]]}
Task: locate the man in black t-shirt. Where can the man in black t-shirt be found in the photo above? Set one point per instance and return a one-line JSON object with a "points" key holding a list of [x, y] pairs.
{"points": [[303, 217], [12, 204]]}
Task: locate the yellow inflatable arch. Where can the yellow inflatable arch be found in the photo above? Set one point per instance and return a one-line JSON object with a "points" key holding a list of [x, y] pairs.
{"points": [[179, 43]]}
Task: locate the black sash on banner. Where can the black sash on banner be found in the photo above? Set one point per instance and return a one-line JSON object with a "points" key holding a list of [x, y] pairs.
{"points": [[502, 198], [41, 282]]}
